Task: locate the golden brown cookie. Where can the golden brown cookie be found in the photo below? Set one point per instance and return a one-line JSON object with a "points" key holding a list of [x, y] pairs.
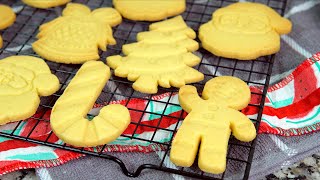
{"points": [[68, 120], [43, 4], [210, 121], [149, 10], [244, 31], [22, 80], [161, 57], [7, 18], [76, 36]]}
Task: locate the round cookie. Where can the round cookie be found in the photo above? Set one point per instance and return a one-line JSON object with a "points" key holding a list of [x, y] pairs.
{"points": [[150, 10], [7, 18], [43, 4], [244, 31], [1, 42]]}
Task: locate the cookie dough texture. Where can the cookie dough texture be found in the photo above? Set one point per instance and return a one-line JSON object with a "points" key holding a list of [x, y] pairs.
{"points": [[7, 18], [244, 31], [68, 117], [76, 36], [162, 56], [210, 121], [23, 79], [149, 10]]}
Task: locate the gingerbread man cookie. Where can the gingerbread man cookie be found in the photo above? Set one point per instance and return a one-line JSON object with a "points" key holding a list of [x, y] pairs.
{"points": [[7, 18], [244, 31], [210, 121], [149, 10], [68, 120], [161, 57], [75, 37], [22, 80]]}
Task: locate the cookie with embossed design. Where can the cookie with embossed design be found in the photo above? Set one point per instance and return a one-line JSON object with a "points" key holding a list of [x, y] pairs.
{"points": [[77, 35], [244, 31], [149, 10], [210, 121], [68, 120], [22, 80], [162, 56]]}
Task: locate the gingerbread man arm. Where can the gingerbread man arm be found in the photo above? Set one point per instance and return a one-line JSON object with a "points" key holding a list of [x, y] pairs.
{"points": [[188, 97], [241, 126]]}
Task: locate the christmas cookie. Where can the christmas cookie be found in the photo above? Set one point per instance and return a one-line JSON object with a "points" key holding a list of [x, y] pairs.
{"points": [[75, 37], [43, 4], [244, 31], [149, 10], [210, 121], [22, 80], [161, 57], [7, 18], [68, 117]]}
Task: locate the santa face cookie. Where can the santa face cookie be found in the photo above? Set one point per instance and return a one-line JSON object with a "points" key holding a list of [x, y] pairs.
{"points": [[149, 10], [244, 31], [76, 36], [22, 80]]}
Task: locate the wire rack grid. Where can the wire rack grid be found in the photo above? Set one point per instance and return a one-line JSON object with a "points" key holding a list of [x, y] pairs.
{"points": [[19, 37]]}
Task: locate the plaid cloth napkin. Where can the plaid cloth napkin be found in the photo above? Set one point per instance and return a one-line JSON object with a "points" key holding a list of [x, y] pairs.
{"points": [[291, 109]]}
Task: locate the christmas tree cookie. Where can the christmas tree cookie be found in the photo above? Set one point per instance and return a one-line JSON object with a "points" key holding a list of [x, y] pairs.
{"points": [[162, 56]]}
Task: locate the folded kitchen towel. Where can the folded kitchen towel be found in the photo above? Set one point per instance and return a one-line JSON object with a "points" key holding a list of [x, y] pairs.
{"points": [[291, 110], [288, 112]]}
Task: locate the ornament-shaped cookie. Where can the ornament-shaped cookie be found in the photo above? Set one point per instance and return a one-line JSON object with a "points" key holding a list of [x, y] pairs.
{"points": [[7, 18], [76, 36], [210, 121], [244, 31], [22, 80], [43, 4], [161, 57], [68, 117], [149, 10]]}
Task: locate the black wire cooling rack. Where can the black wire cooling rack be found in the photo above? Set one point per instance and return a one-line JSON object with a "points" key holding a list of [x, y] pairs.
{"points": [[19, 37]]}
